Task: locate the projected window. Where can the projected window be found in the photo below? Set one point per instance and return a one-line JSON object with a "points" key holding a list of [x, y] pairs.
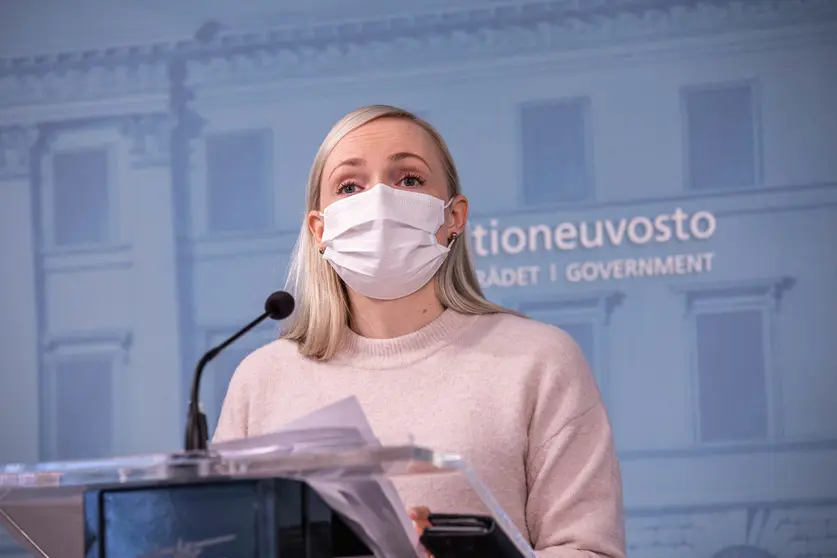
{"points": [[80, 412], [735, 385], [732, 375], [80, 197], [239, 177], [721, 137], [556, 151], [83, 407]]}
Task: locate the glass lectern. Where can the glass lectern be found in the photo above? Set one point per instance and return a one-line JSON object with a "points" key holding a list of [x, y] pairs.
{"points": [[241, 502]]}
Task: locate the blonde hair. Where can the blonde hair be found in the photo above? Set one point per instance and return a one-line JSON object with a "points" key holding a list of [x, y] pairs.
{"points": [[322, 315]]}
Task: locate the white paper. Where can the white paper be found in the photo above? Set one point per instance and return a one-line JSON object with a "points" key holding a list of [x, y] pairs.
{"points": [[371, 505]]}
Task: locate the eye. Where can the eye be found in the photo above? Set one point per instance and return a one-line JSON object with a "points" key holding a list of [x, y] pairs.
{"points": [[347, 187], [411, 180]]}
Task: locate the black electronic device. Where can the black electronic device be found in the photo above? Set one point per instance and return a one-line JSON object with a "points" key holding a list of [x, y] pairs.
{"points": [[467, 536]]}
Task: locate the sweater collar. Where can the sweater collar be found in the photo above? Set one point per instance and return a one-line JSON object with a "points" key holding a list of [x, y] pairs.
{"points": [[364, 352]]}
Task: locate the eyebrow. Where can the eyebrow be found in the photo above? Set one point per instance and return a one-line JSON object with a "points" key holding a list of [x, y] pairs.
{"points": [[400, 156]]}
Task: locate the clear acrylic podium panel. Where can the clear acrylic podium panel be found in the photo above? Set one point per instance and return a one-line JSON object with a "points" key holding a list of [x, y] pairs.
{"points": [[45, 500]]}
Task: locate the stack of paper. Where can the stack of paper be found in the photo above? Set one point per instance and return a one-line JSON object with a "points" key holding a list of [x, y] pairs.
{"points": [[371, 505]]}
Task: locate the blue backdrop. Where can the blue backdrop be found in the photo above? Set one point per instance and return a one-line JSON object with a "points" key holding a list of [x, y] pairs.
{"points": [[659, 178]]}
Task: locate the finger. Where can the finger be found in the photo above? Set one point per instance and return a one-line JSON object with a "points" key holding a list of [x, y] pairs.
{"points": [[419, 513], [421, 525], [420, 517]]}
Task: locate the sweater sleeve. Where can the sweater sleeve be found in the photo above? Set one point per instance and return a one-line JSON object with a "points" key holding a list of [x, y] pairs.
{"points": [[574, 503]]}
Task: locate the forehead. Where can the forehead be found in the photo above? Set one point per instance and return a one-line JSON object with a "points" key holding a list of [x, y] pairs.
{"points": [[382, 137]]}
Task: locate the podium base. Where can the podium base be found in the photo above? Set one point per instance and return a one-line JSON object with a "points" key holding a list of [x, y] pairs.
{"points": [[266, 518]]}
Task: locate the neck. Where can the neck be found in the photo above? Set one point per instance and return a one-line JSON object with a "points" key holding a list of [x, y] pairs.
{"points": [[387, 319]]}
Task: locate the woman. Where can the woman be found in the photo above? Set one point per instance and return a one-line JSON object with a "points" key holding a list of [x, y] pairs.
{"points": [[389, 310]]}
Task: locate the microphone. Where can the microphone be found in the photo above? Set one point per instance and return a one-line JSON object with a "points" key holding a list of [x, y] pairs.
{"points": [[278, 306]]}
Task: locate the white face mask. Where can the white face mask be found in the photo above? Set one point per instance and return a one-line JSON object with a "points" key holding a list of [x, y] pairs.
{"points": [[382, 242]]}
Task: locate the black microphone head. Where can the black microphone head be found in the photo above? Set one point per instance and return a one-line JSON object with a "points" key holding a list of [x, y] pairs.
{"points": [[279, 305]]}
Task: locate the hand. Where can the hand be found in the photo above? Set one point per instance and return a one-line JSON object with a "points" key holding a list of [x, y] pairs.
{"points": [[421, 520]]}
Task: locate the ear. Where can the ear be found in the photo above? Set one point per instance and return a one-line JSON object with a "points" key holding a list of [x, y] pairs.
{"points": [[316, 225], [457, 215]]}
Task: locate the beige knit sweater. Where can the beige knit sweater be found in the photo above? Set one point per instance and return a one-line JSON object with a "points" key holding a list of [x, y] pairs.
{"points": [[513, 396]]}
